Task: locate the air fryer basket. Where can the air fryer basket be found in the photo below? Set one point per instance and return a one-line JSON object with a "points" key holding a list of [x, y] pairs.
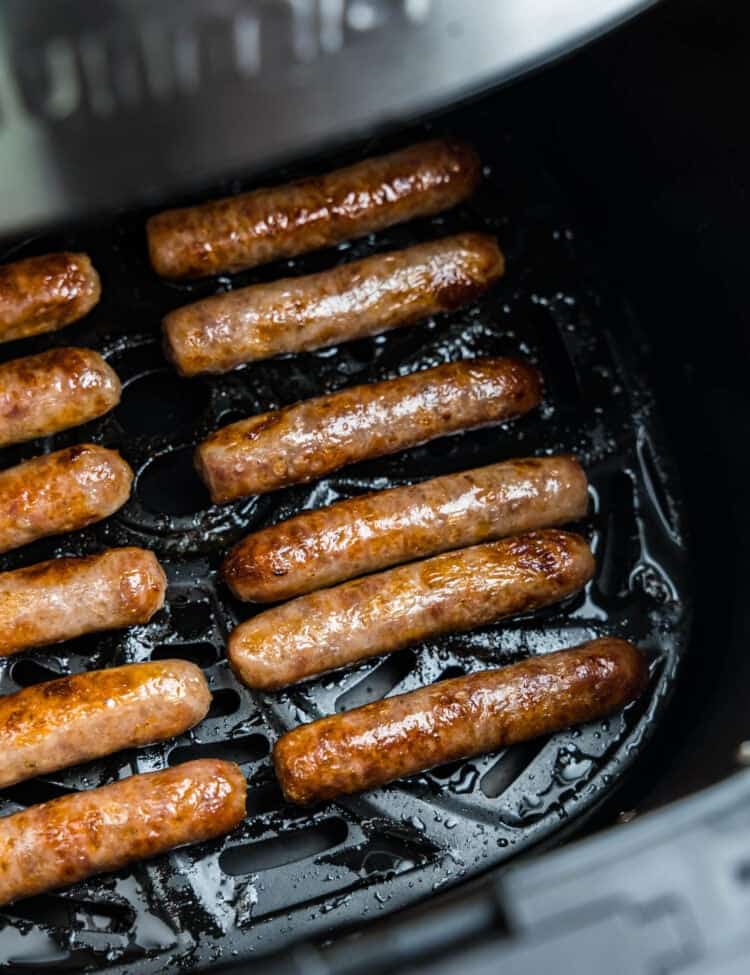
{"points": [[289, 873]]}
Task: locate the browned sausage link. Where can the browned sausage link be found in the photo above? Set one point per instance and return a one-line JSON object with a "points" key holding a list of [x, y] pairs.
{"points": [[274, 222], [86, 833], [75, 719], [61, 492], [457, 719], [42, 394], [349, 302], [318, 436], [320, 548], [64, 598], [44, 294], [384, 612]]}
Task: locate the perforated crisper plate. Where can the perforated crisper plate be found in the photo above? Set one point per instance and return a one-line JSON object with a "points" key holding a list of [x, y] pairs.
{"points": [[288, 873]]}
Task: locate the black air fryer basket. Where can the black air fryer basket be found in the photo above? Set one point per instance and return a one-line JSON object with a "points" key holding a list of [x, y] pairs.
{"points": [[289, 874]]}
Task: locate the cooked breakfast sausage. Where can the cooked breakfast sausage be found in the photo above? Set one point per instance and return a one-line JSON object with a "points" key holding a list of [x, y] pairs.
{"points": [[44, 294], [75, 719], [65, 598], [42, 394], [307, 440], [346, 303], [457, 719], [322, 547], [274, 222], [60, 492], [79, 835], [385, 612]]}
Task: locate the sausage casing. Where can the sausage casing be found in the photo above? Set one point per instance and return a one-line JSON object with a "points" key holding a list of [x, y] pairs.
{"points": [[44, 294], [79, 835], [348, 302], [317, 436], [457, 719], [61, 492], [67, 597], [42, 394], [275, 222], [384, 612], [75, 719], [322, 547]]}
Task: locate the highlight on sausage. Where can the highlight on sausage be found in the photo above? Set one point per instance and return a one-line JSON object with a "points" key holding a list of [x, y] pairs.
{"points": [[67, 597], [43, 394], [275, 222], [61, 492], [390, 610], [299, 443], [75, 719], [457, 719], [320, 548], [86, 833], [44, 294], [349, 302]]}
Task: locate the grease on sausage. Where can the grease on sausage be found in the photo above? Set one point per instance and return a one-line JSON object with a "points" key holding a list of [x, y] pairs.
{"points": [[75, 719], [457, 719], [67, 597], [43, 394], [274, 222], [44, 294], [364, 534], [61, 492], [349, 302], [299, 443], [77, 836], [390, 610]]}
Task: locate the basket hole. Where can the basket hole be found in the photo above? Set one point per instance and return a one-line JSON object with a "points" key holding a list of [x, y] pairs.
{"points": [[27, 673], [35, 791], [191, 620], [508, 767], [384, 854], [169, 484], [161, 402], [562, 382], [619, 550], [63, 912], [291, 847], [251, 748], [455, 670], [379, 681], [263, 799], [223, 703], [201, 654]]}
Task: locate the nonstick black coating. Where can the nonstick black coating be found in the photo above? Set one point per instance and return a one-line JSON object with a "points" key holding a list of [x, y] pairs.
{"points": [[288, 873]]}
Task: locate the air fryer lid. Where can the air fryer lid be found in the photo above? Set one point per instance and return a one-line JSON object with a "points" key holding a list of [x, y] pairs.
{"points": [[110, 103], [290, 873]]}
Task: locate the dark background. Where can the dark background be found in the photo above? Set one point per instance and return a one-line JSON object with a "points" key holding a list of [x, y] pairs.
{"points": [[648, 131]]}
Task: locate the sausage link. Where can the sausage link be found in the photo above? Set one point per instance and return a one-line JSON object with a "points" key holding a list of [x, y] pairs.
{"points": [[65, 598], [385, 612], [346, 303], [44, 294], [351, 538], [75, 719], [307, 440], [43, 394], [457, 719], [61, 492], [254, 228], [80, 835]]}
